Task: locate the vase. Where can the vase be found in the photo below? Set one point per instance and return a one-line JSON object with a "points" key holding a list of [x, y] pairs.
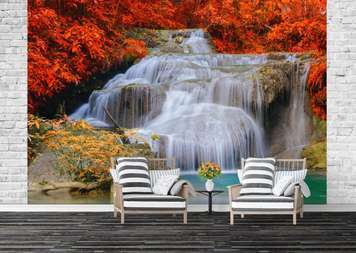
{"points": [[209, 185]]}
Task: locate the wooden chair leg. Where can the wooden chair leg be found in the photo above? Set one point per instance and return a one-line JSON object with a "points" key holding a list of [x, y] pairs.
{"points": [[295, 219], [231, 218], [185, 217], [122, 216]]}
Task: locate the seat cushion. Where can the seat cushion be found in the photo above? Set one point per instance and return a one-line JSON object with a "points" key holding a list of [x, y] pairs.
{"points": [[133, 175], [262, 203], [257, 176], [153, 201]]}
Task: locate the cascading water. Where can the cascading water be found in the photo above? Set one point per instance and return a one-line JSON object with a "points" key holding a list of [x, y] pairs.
{"points": [[205, 106], [197, 43], [298, 116]]}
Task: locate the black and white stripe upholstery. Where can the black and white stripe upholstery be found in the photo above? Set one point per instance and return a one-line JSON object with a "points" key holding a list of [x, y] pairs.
{"points": [[132, 174], [262, 203], [153, 201], [257, 176]]}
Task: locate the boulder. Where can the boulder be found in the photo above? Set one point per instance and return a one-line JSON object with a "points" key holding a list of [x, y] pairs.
{"points": [[131, 104], [274, 80]]}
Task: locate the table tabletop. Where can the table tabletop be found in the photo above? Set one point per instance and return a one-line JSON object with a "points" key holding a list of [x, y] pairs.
{"points": [[205, 192]]}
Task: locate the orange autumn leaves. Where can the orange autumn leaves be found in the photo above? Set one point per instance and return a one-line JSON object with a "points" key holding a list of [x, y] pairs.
{"points": [[317, 87], [259, 26], [83, 152], [71, 41]]}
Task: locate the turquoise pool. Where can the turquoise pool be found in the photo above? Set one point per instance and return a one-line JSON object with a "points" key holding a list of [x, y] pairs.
{"points": [[315, 181]]}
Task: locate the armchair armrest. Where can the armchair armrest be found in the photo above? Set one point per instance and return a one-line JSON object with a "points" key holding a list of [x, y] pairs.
{"points": [[113, 162], [118, 196], [298, 198], [234, 191]]}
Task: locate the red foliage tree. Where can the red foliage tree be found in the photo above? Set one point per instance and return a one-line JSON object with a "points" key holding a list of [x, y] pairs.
{"points": [[70, 41]]}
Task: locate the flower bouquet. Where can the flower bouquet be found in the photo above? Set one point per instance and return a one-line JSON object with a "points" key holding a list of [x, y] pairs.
{"points": [[209, 171]]}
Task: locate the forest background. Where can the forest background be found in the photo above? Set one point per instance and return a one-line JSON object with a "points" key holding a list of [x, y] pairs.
{"points": [[73, 41]]}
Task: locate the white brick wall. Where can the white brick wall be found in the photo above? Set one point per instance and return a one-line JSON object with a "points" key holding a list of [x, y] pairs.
{"points": [[13, 101], [341, 101]]}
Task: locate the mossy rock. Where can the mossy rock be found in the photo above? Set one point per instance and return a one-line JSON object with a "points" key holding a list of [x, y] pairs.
{"points": [[277, 56], [134, 86], [163, 41], [152, 38], [304, 57], [273, 78], [316, 156]]}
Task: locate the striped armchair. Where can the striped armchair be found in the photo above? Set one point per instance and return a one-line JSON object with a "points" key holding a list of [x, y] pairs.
{"points": [[255, 195], [133, 181]]}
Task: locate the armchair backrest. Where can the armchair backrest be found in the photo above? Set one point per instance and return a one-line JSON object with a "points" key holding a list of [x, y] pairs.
{"points": [[161, 163], [153, 163], [162, 167], [156, 174]]}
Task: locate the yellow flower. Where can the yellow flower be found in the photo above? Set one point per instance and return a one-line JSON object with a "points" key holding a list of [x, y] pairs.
{"points": [[209, 170]]}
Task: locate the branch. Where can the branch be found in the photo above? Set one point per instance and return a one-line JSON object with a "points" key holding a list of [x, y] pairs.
{"points": [[112, 119], [50, 186], [117, 126]]}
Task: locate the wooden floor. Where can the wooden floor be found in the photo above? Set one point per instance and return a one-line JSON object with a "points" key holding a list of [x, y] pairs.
{"points": [[100, 232]]}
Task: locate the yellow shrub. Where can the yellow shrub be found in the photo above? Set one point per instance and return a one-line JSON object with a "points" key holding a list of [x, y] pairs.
{"points": [[84, 152]]}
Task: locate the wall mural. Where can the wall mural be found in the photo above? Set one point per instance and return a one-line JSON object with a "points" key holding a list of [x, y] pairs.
{"points": [[195, 80]]}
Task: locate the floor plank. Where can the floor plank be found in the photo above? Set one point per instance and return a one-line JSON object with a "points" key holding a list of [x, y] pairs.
{"points": [[101, 232]]}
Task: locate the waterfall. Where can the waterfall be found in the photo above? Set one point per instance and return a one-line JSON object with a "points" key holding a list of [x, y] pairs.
{"points": [[205, 106], [196, 132], [298, 120], [197, 43]]}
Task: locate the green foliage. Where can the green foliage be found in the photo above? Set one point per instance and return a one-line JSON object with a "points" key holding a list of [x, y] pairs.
{"points": [[316, 156], [319, 128]]}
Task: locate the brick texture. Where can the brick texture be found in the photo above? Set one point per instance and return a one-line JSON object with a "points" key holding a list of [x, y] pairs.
{"points": [[341, 101], [13, 101]]}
